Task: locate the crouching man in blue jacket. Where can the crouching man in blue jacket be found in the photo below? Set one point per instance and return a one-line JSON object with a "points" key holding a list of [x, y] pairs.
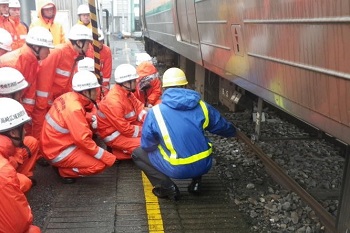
{"points": [[173, 143]]}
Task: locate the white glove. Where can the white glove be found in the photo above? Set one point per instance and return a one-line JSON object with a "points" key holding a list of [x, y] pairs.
{"points": [[94, 122]]}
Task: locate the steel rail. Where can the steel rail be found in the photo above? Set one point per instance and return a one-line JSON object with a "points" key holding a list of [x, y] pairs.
{"points": [[282, 178]]}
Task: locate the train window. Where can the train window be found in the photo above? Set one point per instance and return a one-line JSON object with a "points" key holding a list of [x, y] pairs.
{"points": [[237, 39]]}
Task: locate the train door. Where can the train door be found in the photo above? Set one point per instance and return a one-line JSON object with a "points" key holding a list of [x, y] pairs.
{"points": [[185, 21]]}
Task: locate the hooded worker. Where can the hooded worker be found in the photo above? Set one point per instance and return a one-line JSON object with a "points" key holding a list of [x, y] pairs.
{"points": [[46, 18]]}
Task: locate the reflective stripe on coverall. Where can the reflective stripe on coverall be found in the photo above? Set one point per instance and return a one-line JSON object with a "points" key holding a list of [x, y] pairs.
{"points": [[15, 213], [24, 60], [54, 78], [106, 67], [66, 139], [19, 32], [120, 119], [172, 159]]}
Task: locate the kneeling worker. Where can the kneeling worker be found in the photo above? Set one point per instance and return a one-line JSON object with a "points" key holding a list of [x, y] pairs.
{"points": [[173, 142], [66, 136]]}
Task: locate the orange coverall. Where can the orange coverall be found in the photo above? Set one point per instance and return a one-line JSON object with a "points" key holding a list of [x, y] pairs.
{"points": [[66, 138], [17, 30], [20, 159], [15, 213], [152, 94], [25, 61], [106, 66], [19, 33], [120, 117], [55, 28], [54, 79]]}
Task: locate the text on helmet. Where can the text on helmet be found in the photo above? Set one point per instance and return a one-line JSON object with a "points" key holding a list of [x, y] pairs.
{"points": [[12, 117], [8, 85], [87, 84]]}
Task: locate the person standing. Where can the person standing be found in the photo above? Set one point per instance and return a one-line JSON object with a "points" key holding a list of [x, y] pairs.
{"points": [[66, 137], [19, 31], [4, 12], [56, 72], [105, 63], [5, 41], [121, 114], [84, 17], [46, 18], [173, 142], [26, 60]]}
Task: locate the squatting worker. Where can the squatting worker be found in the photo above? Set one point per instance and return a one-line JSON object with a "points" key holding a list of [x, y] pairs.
{"points": [[121, 114], [25, 149], [66, 137], [148, 85], [173, 143], [15, 212], [56, 72]]}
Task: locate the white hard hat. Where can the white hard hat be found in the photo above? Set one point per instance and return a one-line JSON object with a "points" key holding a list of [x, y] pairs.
{"points": [[86, 64], [141, 57], [84, 80], [125, 72], [100, 35], [40, 36], [5, 40], [80, 32], [14, 4], [4, 1], [12, 114], [11, 80], [83, 9]]}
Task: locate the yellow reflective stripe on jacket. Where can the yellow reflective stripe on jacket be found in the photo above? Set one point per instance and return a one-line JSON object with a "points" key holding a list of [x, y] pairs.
{"points": [[164, 132], [206, 116], [173, 160], [188, 160]]}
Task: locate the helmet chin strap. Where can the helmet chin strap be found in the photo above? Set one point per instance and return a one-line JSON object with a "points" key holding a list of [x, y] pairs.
{"points": [[93, 101], [81, 47], [128, 88], [18, 139], [36, 51]]}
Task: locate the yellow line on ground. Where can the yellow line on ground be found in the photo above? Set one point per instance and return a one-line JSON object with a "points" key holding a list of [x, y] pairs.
{"points": [[154, 216]]}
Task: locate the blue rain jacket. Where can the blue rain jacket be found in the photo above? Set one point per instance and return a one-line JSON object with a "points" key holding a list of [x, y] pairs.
{"points": [[184, 118]]}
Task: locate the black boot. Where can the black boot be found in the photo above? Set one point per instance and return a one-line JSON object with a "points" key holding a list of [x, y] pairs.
{"points": [[64, 180], [171, 192], [42, 162], [195, 186]]}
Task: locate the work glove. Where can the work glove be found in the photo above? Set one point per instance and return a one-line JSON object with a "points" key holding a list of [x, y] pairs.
{"points": [[94, 121]]}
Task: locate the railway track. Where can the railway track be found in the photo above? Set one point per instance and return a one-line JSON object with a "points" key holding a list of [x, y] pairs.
{"points": [[280, 176]]}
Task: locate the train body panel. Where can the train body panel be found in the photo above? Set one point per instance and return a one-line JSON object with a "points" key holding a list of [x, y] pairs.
{"points": [[293, 54], [160, 18]]}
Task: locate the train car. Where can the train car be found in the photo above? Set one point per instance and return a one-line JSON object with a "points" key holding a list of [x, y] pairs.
{"points": [[292, 54]]}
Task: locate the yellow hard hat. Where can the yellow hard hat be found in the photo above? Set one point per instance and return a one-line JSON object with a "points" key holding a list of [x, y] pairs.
{"points": [[174, 77]]}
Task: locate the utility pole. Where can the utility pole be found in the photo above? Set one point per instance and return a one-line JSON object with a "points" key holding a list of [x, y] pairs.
{"points": [[26, 8]]}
